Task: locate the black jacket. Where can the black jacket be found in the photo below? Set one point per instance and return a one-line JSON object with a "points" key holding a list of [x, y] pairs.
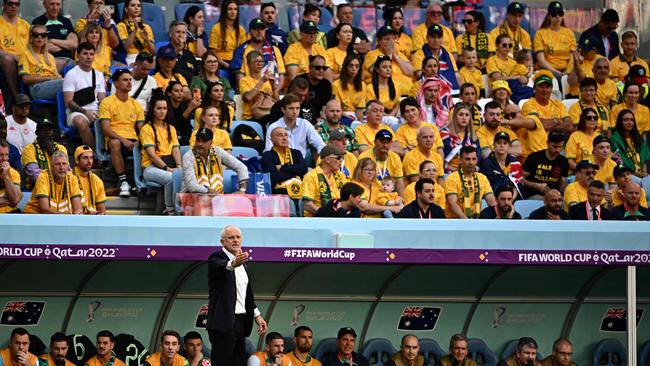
{"points": [[619, 213], [579, 212], [540, 214], [412, 211], [332, 359], [298, 169], [330, 209], [596, 38]]}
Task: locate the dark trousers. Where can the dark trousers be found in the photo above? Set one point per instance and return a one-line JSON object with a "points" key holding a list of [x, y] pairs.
{"points": [[228, 348]]}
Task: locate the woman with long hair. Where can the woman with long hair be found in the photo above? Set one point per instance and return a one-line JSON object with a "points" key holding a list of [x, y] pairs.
{"points": [[430, 68], [365, 175], [210, 73], [338, 53], [628, 144], [161, 154], [38, 67], [459, 133], [382, 87], [474, 36], [394, 18], [214, 96], [631, 98], [227, 34], [179, 111], [554, 43], [93, 34], [210, 119], [257, 84], [349, 89], [580, 144], [136, 35], [195, 20], [501, 93]]}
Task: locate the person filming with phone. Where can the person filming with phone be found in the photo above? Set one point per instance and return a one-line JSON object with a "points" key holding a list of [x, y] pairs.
{"points": [[134, 33]]}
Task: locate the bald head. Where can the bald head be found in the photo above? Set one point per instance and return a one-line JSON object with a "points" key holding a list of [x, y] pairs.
{"points": [[333, 112], [426, 137], [553, 201], [632, 194], [280, 137], [410, 347]]}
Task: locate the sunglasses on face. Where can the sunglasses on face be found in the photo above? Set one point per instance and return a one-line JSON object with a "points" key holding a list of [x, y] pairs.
{"points": [[11, 3], [556, 13], [468, 21], [435, 13], [591, 118], [320, 68], [39, 34], [507, 45]]}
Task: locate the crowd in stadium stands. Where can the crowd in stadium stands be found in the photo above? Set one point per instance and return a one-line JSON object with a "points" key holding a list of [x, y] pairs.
{"points": [[425, 125], [275, 352]]}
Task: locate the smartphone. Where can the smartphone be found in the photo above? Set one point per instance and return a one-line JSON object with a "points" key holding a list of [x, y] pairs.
{"points": [[110, 8], [139, 21], [197, 93]]}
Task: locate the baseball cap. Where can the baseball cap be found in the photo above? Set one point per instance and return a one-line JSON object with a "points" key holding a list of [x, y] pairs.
{"points": [[330, 150], [555, 6], [434, 30], [337, 134], [80, 150], [543, 76], [256, 23], [556, 136], [44, 125], [346, 330], [501, 135], [585, 164], [501, 84], [599, 140], [22, 99], [204, 134], [515, 7], [620, 169], [384, 135], [637, 73], [308, 26], [587, 45], [166, 52], [385, 30]]}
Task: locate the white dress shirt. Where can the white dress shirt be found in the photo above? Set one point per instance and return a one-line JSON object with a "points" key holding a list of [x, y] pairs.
{"points": [[241, 282], [590, 215], [301, 134]]}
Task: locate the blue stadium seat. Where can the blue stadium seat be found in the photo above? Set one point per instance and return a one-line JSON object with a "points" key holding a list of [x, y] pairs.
{"points": [[525, 207], [249, 348], [365, 18], [294, 12], [100, 149], [644, 354], [610, 352], [153, 15], [378, 351], [325, 24], [255, 125], [229, 180], [326, 345], [242, 152], [177, 181], [248, 13], [511, 347], [160, 44], [431, 351], [67, 68], [481, 353], [62, 117], [289, 344], [181, 9], [137, 171]]}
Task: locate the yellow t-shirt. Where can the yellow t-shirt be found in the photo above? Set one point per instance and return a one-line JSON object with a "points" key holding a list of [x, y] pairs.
{"points": [[508, 67], [453, 186], [384, 96], [580, 146], [415, 157], [574, 193], [155, 360], [419, 38], [92, 191], [296, 55], [605, 173], [519, 37], [220, 138], [619, 67], [278, 57], [473, 77], [247, 84], [392, 166], [350, 99], [404, 44], [123, 33], [14, 36], [165, 145], [81, 24], [486, 136], [607, 93], [29, 155], [370, 195], [225, 53], [30, 64], [554, 109], [103, 60], [366, 135], [163, 81], [603, 121], [348, 164], [557, 46], [532, 140], [312, 187], [408, 135], [403, 83], [642, 116], [337, 56], [199, 110], [438, 193], [122, 115], [60, 196], [15, 179]]}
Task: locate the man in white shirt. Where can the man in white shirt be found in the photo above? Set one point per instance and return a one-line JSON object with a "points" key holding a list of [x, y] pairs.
{"points": [[21, 131], [301, 131], [83, 89], [143, 83]]}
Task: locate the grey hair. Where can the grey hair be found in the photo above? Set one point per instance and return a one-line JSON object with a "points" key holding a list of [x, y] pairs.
{"points": [[457, 337], [226, 228], [59, 154]]}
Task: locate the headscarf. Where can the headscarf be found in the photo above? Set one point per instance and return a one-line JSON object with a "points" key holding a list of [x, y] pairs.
{"points": [[441, 105]]}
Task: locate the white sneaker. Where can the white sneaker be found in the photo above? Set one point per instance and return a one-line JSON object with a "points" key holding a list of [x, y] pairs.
{"points": [[125, 189]]}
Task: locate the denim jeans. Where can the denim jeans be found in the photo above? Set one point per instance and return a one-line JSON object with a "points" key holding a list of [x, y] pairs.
{"points": [[46, 89], [164, 178]]}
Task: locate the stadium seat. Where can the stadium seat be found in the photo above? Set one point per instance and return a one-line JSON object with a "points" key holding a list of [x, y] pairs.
{"points": [[482, 102], [249, 348], [355, 124], [229, 181], [23, 201], [644, 354], [177, 182], [325, 24], [511, 347], [564, 82], [62, 118], [378, 351], [645, 182], [181, 9], [100, 150], [294, 13], [365, 18], [481, 353], [525, 207], [431, 351], [232, 205], [242, 152], [153, 15], [137, 171], [556, 92], [324, 346], [66, 68], [160, 44], [568, 103], [487, 86], [274, 206], [255, 125], [610, 352], [248, 13]]}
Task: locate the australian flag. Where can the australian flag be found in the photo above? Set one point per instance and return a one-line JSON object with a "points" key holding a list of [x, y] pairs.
{"points": [[418, 318], [615, 320], [201, 317], [22, 312]]}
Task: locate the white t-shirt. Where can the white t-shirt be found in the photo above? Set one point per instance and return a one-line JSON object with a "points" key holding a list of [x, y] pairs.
{"points": [[145, 95], [20, 135], [77, 79]]}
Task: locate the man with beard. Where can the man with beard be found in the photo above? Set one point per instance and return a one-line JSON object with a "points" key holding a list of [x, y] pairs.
{"points": [[18, 351], [36, 156], [577, 191], [631, 209], [58, 350], [493, 124], [504, 208], [466, 187], [526, 347], [273, 355], [332, 121], [56, 190], [552, 210], [194, 349], [546, 169], [93, 196], [104, 356], [562, 352], [345, 354], [458, 348], [409, 353], [10, 194], [423, 207], [168, 355], [302, 337]]}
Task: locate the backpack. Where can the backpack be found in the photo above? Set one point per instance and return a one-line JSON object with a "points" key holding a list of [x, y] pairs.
{"points": [[245, 135]]}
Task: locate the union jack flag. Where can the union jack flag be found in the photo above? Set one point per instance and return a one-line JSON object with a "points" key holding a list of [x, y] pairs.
{"points": [[616, 313], [615, 320], [412, 312], [414, 318], [203, 310], [15, 306]]}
